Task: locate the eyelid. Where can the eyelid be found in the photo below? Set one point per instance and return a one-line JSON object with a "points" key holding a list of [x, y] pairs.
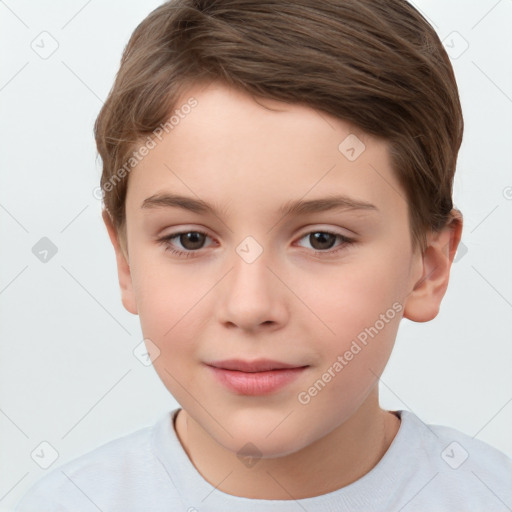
{"points": [[183, 228], [175, 234], [345, 241], [307, 231], [319, 228]]}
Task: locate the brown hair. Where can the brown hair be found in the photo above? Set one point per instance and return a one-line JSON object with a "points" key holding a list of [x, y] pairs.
{"points": [[377, 65]]}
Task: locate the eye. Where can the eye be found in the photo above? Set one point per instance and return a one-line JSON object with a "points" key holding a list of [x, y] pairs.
{"points": [[192, 241], [189, 240], [322, 241]]}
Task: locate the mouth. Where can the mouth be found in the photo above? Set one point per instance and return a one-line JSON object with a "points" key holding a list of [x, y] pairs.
{"points": [[259, 377], [258, 365]]}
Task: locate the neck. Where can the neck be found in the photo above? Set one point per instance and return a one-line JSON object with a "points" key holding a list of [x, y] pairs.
{"points": [[338, 459]]}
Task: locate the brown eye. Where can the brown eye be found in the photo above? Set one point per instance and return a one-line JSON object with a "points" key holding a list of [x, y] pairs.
{"points": [[322, 241], [189, 241], [192, 240]]}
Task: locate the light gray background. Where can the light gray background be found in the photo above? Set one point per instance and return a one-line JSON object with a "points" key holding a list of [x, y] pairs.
{"points": [[67, 369]]}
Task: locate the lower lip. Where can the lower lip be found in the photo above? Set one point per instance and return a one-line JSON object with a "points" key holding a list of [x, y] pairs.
{"points": [[256, 383]]}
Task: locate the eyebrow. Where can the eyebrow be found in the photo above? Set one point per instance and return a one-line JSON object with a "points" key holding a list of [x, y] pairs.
{"points": [[294, 207]]}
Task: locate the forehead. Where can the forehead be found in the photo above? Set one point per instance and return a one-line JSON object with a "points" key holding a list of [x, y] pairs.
{"points": [[233, 148]]}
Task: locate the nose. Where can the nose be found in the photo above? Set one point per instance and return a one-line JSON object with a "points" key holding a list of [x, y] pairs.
{"points": [[252, 295]]}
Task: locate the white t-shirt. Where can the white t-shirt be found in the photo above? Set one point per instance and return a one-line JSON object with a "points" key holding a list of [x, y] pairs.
{"points": [[426, 468]]}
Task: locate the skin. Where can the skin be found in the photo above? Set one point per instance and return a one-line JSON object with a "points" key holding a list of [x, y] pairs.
{"points": [[293, 303]]}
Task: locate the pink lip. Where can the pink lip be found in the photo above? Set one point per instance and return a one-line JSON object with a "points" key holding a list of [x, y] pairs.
{"points": [[258, 365], [258, 377]]}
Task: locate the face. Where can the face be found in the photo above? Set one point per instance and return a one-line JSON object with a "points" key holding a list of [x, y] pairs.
{"points": [[319, 288]]}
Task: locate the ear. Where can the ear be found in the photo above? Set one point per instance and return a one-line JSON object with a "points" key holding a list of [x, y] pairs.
{"points": [[123, 267], [423, 302]]}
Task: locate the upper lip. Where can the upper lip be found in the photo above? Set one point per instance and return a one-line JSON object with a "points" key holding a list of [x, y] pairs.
{"points": [[258, 365]]}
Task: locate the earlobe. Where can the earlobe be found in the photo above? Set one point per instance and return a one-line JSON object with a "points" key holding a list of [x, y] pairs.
{"points": [[423, 302], [123, 267]]}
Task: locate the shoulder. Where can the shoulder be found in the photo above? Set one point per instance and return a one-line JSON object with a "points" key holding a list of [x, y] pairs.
{"points": [[461, 466], [456, 448], [108, 474]]}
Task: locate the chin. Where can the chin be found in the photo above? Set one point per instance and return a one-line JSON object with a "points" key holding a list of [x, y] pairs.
{"points": [[262, 447], [264, 438]]}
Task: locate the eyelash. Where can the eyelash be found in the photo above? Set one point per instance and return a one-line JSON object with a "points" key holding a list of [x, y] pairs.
{"points": [[188, 254]]}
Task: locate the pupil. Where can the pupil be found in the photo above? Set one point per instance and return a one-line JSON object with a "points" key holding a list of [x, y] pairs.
{"points": [[321, 238], [193, 238]]}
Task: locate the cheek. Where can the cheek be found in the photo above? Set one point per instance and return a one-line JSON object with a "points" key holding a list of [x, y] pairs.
{"points": [[361, 304], [353, 295], [170, 317], [348, 299], [352, 361], [166, 300]]}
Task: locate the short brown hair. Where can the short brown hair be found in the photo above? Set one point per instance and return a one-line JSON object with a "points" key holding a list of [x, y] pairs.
{"points": [[379, 66]]}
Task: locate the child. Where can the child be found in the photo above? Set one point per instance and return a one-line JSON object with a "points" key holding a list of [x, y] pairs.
{"points": [[264, 130]]}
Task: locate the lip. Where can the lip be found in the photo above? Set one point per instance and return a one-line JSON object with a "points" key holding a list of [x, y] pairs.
{"points": [[259, 377], [257, 365]]}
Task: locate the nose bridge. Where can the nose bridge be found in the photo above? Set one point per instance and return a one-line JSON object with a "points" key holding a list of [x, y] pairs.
{"points": [[251, 294]]}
